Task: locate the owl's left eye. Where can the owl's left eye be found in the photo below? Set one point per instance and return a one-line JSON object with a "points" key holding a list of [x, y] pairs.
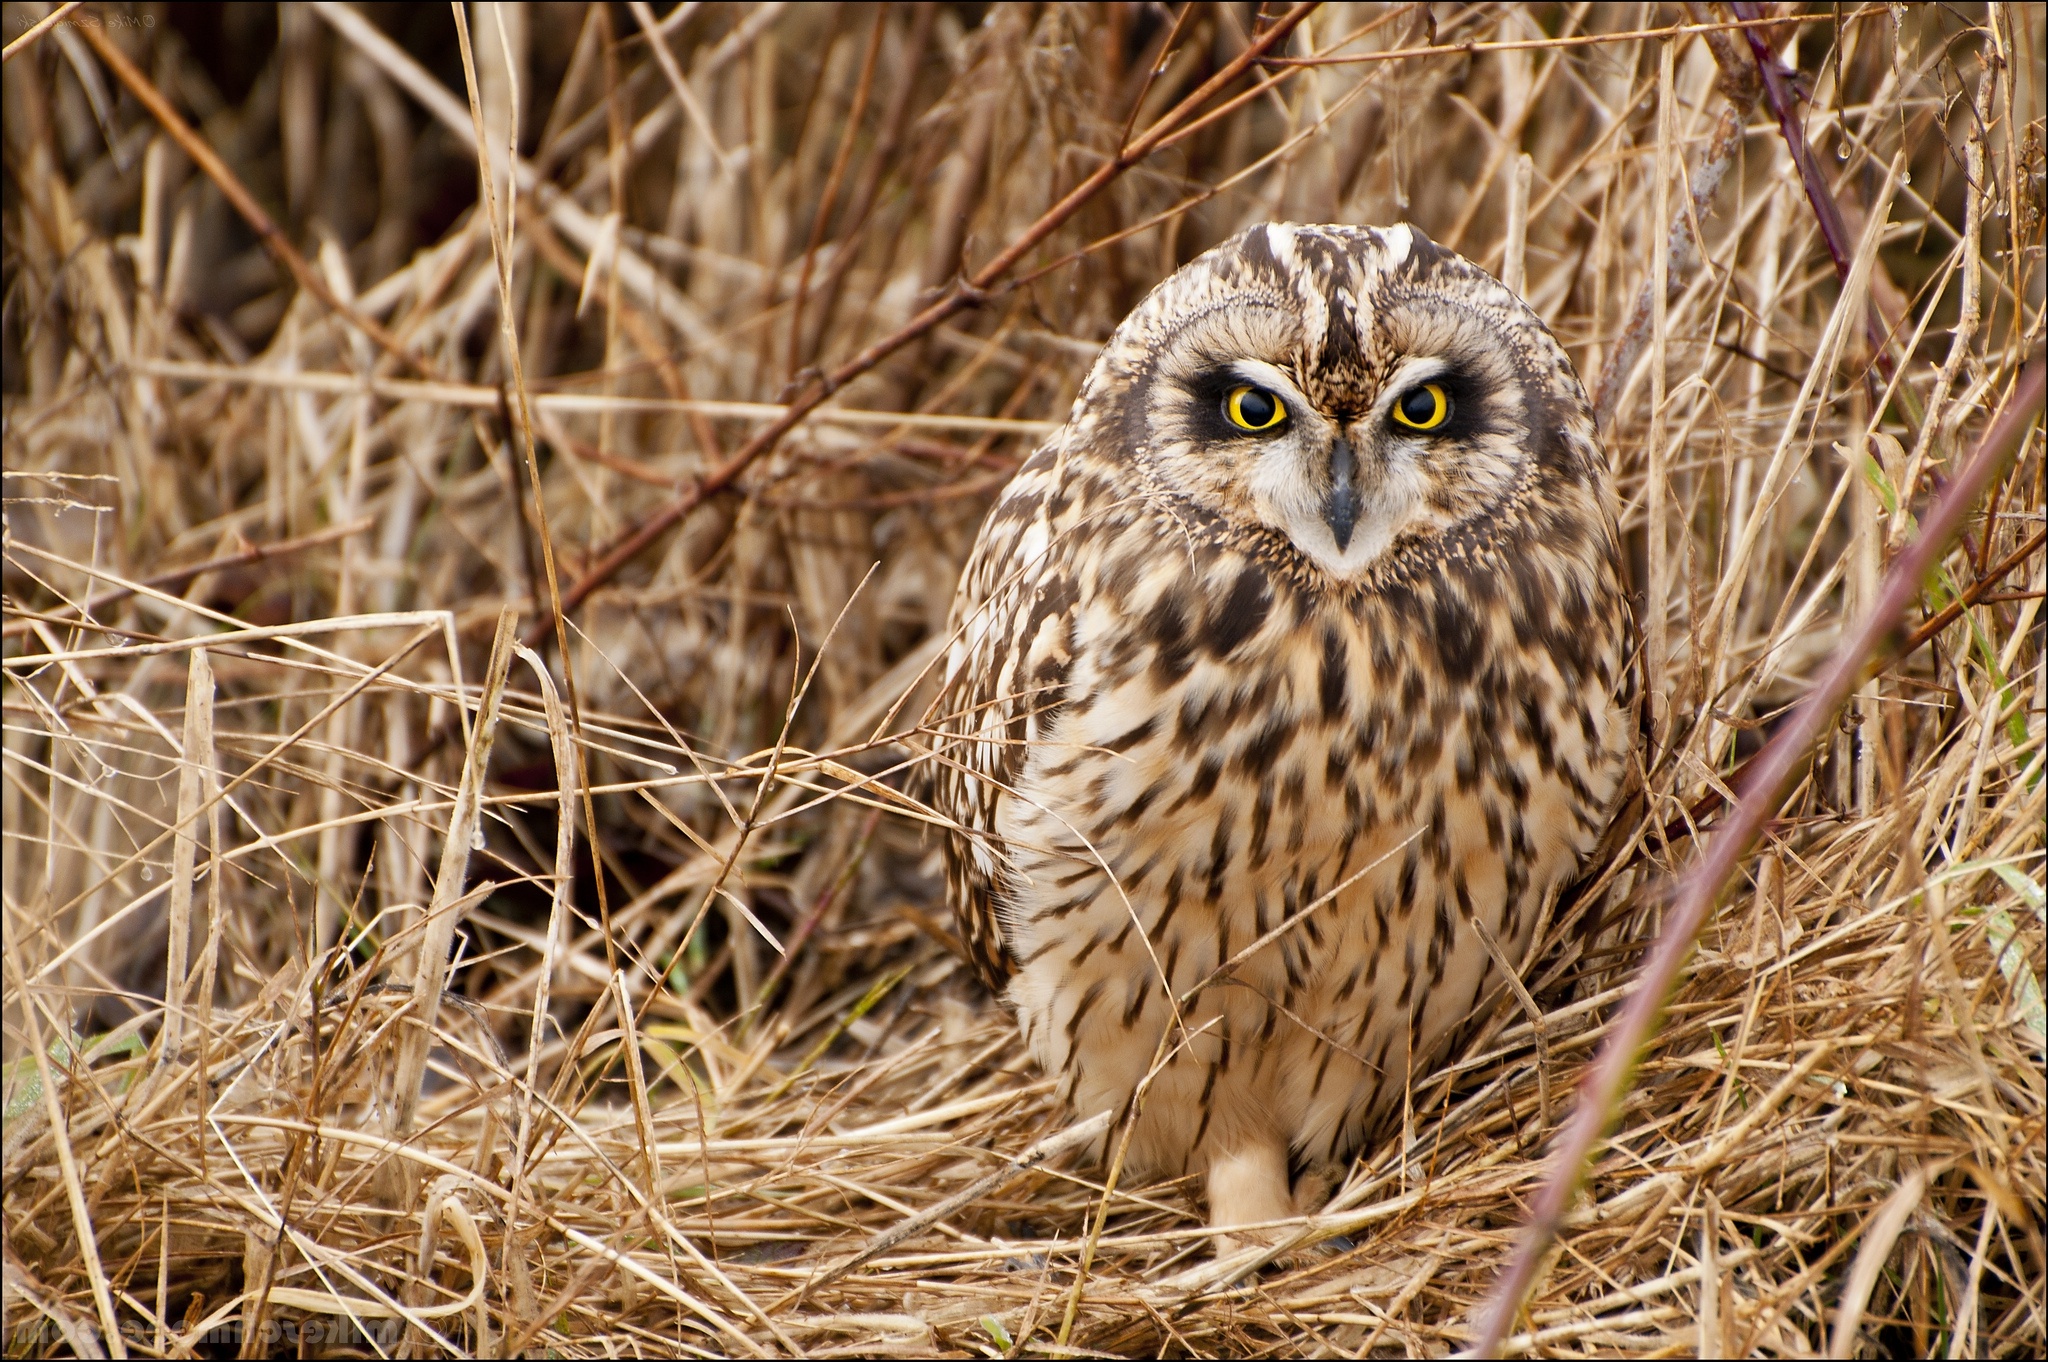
{"points": [[1424, 407], [1251, 408]]}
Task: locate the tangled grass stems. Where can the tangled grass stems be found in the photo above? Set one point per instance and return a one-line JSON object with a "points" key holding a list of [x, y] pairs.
{"points": [[746, 1113]]}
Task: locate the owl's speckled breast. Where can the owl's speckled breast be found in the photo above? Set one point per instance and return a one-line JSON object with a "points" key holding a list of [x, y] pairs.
{"points": [[1236, 745]]}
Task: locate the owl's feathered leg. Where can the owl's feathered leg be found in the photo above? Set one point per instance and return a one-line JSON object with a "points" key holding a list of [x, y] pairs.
{"points": [[1248, 1186]]}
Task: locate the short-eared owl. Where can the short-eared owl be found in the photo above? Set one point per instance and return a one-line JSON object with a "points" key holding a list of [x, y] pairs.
{"points": [[1306, 631]]}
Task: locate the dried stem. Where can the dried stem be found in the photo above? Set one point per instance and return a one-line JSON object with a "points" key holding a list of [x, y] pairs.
{"points": [[1757, 800], [961, 296]]}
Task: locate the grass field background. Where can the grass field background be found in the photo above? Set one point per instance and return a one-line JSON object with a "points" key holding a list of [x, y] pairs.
{"points": [[320, 446]]}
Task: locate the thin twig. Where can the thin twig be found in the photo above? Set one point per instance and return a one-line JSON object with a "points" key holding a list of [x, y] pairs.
{"points": [[237, 194], [1710, 802], [1073, 1137], [1827, 213], [37, 30], [958, 298], [1701, 887], [175, 578]]}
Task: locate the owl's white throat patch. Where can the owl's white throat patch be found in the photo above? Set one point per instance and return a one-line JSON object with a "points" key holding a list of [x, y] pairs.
{"points": [[1293, 501], [1370, 538]]}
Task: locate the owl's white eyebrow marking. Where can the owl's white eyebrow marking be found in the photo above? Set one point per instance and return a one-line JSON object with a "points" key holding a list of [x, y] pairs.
{"points": [[1399, 240], [1266, 376], [1280, 241], [1411, 371]]}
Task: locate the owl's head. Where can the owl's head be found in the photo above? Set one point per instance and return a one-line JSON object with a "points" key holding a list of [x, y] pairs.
{"points": [[1359, 391]]}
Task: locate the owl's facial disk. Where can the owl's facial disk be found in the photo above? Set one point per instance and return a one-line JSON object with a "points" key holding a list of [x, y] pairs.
{"points": [[1359, 391], [1342, 486]]}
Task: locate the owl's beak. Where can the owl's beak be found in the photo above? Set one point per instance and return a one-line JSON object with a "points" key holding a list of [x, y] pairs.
{"points": [[1341, 508]]}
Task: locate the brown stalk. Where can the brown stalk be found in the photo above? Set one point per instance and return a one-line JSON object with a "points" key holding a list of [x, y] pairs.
{"points": [[37, 30], [178, 577], [894, 118], [430, 971], [1827, 213], [1700, 888], [501, 252], [829, 198], [817, 911], [1710, 802], [236, 193], [1546, 44], [1683, 248]]}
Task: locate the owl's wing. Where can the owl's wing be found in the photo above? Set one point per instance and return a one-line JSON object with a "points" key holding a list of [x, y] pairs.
{"points": [[1006, 679], [1628, 690]]}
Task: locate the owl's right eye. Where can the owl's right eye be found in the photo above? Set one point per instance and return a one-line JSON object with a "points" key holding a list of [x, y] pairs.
{"points": [[1250, 408]]}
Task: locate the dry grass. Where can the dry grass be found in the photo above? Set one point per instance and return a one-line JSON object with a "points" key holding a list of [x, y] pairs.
{"points": [[662, 1110]]}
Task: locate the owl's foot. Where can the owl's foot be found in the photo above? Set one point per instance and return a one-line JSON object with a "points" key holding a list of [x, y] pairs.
{"points": [[1248, 1186], [1298, 1258]]}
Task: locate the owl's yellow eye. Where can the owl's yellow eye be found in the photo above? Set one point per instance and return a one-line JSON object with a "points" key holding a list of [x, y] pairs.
{"points": [[1423, 408], [1251, 408]]}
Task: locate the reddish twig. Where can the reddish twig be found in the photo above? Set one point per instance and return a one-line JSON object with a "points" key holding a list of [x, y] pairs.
{"points": [[1711, 802], [1435, 49], [1833, 230], [855, 220], [1701, 887], [1153, 70], [829, 199], [963, 294], [176, 579], [793, 949]]}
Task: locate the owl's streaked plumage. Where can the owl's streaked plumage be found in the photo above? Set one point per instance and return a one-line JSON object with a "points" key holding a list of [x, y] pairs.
{"points": [[1211, 662]]}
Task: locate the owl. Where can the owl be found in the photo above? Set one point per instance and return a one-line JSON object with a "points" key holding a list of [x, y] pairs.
{"points": [[1297, 655]]}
